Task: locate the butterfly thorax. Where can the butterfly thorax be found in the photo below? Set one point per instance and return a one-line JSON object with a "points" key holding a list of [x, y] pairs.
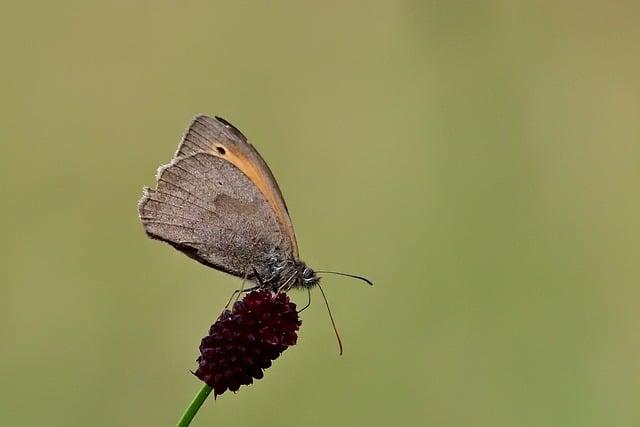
{"points": [[289, 274]]}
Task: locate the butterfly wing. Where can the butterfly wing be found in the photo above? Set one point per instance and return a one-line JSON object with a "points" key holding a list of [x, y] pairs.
{"points": [[221, 139], [209, 209]]}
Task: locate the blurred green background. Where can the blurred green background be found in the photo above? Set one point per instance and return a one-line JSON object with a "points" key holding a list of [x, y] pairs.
{"points": [[480, 161]]}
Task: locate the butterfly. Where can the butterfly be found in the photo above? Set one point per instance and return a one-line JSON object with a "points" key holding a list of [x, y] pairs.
{"points": [[218, 202]]}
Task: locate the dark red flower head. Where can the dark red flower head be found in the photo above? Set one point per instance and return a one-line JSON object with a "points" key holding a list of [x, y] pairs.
{"points": [[244, 341]]}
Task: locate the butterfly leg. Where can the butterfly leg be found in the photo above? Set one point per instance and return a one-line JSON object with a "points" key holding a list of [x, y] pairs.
{"points": [[287, 284], [258, 278], [308, 301], [236, 292], [240, 291]]}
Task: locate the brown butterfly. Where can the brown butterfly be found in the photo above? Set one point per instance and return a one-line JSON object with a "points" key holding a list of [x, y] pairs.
{"points": [[218, 202]]}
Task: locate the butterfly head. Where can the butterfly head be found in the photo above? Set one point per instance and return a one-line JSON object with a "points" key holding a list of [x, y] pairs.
{"points": [[307, 277]]}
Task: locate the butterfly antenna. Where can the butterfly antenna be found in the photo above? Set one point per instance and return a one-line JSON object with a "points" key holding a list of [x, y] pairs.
{"points": [[331, 317], [353, 276]]}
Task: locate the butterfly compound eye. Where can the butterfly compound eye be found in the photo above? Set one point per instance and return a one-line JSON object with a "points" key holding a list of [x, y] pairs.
{"points": [[307, 273]]}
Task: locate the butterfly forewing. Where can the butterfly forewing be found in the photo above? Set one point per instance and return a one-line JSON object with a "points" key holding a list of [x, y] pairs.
{"points": [[221, 139]]}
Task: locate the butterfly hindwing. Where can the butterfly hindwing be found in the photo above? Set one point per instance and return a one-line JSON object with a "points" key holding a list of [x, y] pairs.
{"points": [[207, 208]]}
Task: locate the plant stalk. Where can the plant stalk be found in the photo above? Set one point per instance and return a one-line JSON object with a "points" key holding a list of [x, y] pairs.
{"points": [[195, 405]]}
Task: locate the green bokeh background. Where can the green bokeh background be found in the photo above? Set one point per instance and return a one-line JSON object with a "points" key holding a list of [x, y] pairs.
{"points": [[480, 161]]}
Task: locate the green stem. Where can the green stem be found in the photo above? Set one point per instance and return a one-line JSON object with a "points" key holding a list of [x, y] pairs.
{"points": [[195, 405]]}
